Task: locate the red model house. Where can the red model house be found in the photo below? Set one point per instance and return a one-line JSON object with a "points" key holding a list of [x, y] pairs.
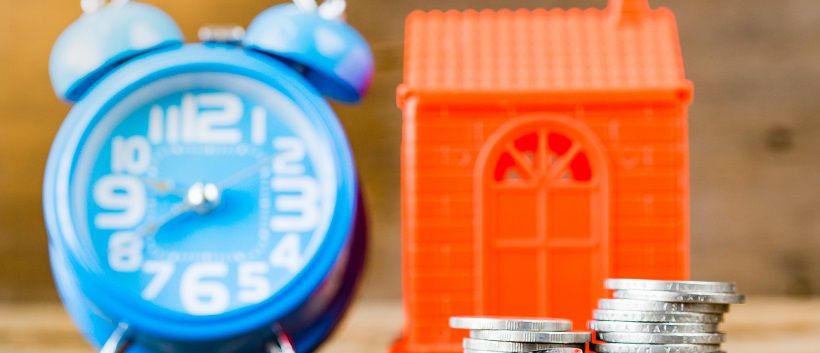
{"points": [[543, 152]]}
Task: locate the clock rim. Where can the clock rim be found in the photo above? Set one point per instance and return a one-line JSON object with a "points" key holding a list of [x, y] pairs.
{"points": [[193, 58]]}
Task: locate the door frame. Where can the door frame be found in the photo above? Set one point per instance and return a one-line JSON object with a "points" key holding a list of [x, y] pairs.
{"points": [[492, 150]]}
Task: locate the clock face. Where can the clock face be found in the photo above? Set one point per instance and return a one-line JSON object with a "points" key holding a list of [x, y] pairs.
{"points": [[203, 193]]}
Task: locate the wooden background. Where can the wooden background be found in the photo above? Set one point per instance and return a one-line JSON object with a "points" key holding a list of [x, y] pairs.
{"points": [[755, 133]]}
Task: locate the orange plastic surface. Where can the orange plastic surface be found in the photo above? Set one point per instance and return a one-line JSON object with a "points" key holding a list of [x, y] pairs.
{"points": [[543, 152]]}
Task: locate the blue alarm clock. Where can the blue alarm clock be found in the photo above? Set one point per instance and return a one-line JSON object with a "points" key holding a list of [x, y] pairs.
{"points": [[203, 197]]}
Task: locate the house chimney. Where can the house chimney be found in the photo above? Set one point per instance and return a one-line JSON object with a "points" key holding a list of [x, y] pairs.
{"points": [[623, 12]]}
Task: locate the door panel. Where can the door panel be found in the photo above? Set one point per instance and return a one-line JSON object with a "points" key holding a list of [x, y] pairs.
{"points": [[569, 296], [569, 215], [515, 274], [512, 205]]}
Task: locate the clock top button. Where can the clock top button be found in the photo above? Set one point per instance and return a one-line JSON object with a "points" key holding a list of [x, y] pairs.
{"points": [[226, 34]]}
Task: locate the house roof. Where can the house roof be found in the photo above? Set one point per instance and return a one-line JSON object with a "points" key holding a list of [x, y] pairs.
{"points": [[567, 54]]}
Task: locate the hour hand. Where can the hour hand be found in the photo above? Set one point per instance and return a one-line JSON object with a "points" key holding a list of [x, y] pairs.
{"points": [[164, 187], [176, 211]]}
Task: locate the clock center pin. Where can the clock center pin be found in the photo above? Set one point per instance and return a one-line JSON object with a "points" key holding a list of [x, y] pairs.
{"points": [[204, 198]]}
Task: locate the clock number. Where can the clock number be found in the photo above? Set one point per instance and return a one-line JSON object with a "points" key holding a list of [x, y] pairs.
{"points": [[259, 126], [202, 290], [302, 198], [292, 153], [200, 293], [121, 193], [254, 282], [288, 253], [130, 155], [162, 271], [190, 128], [296, 205], [156, 125], [125, 252], [217, 111], [203, 118]]}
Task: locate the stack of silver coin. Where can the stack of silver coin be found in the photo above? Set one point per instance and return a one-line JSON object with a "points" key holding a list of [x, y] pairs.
{"points": [[650, 316], [512, 335]]}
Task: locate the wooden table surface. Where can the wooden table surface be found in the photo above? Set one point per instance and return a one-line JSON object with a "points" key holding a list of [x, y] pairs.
{"points": [[763, 325]]}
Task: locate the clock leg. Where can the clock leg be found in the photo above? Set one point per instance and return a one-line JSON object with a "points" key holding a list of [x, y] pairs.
{"points": [[283, 343], [119, 341]]}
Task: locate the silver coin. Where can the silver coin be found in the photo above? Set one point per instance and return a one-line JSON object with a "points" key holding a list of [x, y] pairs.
{"points": [[650, 327], [671, 286], [680, 297], [550, 350], [661, 338], [499, 346], [655, 316], [653, 348], [644, 305], [533, 337], [510, 323]]}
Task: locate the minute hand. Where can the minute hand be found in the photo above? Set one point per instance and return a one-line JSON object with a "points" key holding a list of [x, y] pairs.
{"points": [[243, 174]]}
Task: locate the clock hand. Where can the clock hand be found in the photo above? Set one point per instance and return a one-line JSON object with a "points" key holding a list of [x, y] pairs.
{"points": [[164, 186], [177, 210], [240, 176], [201, 198]]}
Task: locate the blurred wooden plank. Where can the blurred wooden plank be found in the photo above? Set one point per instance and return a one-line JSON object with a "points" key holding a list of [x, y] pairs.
{"points": [[774, 324], [763, 325], [46, 328], [33, 328]]}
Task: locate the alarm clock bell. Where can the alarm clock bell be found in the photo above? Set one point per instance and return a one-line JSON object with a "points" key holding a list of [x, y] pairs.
{"points": [[336, 59], [102, 40]]}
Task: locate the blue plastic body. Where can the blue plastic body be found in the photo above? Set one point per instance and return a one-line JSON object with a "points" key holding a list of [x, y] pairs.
{"points": [[335, 57], [98, 304], [97, 42]]}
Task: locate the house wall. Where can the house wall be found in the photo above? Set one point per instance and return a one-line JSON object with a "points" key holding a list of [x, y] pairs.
{"points": [[646, 146]]}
